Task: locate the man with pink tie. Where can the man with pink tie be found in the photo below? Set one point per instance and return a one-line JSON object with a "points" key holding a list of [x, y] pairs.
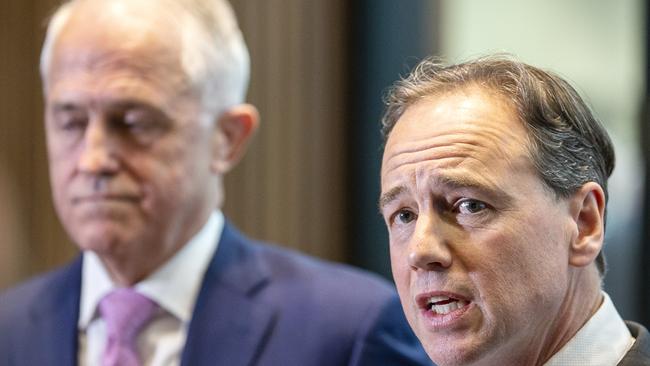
{"points": [[145, 113]]}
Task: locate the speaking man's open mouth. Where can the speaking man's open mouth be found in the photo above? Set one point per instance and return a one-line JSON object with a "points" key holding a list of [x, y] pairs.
{"points": [[442, 309]]}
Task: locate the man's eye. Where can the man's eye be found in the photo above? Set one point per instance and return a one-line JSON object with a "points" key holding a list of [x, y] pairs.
{"points": [[137, 126], [135, 121], [69, 118], [470, 206], [72, 124], [143, 125], [405, 216]]}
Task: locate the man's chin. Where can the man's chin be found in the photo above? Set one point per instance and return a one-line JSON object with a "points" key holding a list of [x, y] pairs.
{"points": [[451, 356], [102, 241], [449, 350]]}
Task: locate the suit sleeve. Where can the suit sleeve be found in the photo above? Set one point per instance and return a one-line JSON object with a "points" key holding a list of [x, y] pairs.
{"points": [[386, 339]]}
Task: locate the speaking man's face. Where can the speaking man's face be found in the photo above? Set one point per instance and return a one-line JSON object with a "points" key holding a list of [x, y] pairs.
{"points": [[479, 245], [129, 147]]}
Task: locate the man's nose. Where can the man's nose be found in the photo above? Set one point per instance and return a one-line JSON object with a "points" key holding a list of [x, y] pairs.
{"points": [[98, 155], [429, 248]]}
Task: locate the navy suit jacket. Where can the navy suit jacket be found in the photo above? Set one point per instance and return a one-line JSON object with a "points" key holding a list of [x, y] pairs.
{"points": [[258, 305], [639, 354]]}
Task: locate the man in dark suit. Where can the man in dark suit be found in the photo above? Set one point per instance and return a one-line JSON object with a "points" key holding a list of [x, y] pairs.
{"points": [[144, 116], [494, 187]]}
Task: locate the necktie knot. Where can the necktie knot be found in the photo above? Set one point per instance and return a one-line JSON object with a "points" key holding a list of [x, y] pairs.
{"points": [[125, 312]]}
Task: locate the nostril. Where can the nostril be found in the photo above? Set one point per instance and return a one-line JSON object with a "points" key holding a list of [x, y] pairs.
{"points": [[97, 160], [430, 259]]}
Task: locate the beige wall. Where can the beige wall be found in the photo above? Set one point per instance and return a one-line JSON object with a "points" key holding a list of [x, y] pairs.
{"points": [[31, 238], [288, 188]]}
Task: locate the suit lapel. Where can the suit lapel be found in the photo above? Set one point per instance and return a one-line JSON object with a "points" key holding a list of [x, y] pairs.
{"points": [[639, 354], [53, 327], [228, 327]]}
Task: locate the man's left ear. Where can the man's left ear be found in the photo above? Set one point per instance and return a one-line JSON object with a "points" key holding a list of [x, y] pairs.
{"points": [[234, 130], [587, 207]]}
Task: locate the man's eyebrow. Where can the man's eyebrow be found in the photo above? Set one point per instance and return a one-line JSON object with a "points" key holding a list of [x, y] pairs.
{"points": [[458, 182], [130, 103], [449, 183], [446, 181], [486, 187], [390, 196], [64, 106]]}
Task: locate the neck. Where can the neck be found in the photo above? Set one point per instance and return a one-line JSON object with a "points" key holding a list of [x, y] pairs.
{"points": [[127, 271], [139, 260], [582, 299]]}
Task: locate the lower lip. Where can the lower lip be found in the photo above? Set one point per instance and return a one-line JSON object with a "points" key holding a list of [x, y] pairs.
{"points": [[444, 321]]}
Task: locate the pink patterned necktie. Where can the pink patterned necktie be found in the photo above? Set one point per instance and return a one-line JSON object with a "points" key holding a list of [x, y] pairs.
{"points": [[125, 312]]}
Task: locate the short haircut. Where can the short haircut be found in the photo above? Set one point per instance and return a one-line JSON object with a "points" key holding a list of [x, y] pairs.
{"points": [[213, 52], [568, 146]]}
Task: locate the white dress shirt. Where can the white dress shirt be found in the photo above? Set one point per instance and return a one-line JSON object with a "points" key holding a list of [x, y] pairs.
{"points": [[174, 287], [602, 341]]}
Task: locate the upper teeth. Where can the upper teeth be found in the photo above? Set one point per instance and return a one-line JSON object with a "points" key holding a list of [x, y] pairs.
{"points": [[445, 308], [434, 299]]}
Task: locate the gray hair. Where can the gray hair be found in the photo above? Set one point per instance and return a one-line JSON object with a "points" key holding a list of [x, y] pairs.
{"points": [[567, 144], [213, 52]]}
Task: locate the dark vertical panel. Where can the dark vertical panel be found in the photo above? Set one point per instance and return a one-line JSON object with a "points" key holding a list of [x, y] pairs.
{"points": [[644, 264], [389, 37]]}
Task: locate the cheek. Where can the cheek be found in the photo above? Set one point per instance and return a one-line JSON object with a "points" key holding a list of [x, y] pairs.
{"points": [[176, 178], [61, 174], [401, 270], [517, 274], [402, 277], [397, 263]]}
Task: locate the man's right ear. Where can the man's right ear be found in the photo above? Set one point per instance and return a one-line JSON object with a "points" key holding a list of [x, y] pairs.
{"points": [[587, 207], [233, 131]]}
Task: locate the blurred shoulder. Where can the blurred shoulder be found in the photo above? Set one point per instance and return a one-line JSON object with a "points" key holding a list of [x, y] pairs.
{"points": [[300, 271], [16, 302], [341, 312]]}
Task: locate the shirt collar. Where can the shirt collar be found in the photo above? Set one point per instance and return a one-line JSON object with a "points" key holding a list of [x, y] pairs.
{"points": [[174, 286], [602, 341]]}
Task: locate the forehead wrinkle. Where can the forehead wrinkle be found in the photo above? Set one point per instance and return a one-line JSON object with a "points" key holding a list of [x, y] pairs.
{"points": [[453, 180], [457, 171], [121, 63], [104, 77], [447, 148], [106, 91], [456, 138]]}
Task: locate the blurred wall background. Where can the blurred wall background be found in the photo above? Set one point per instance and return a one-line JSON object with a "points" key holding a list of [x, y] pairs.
{"points": [[599, 46], [31, 239], [319, 69]]}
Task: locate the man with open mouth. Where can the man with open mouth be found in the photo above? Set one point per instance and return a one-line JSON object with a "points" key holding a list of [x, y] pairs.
{"points": [[494, 189]]}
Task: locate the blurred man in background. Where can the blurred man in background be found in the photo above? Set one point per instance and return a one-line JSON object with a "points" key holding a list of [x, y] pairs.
{"points": [[494, 188], [144, 116]]}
